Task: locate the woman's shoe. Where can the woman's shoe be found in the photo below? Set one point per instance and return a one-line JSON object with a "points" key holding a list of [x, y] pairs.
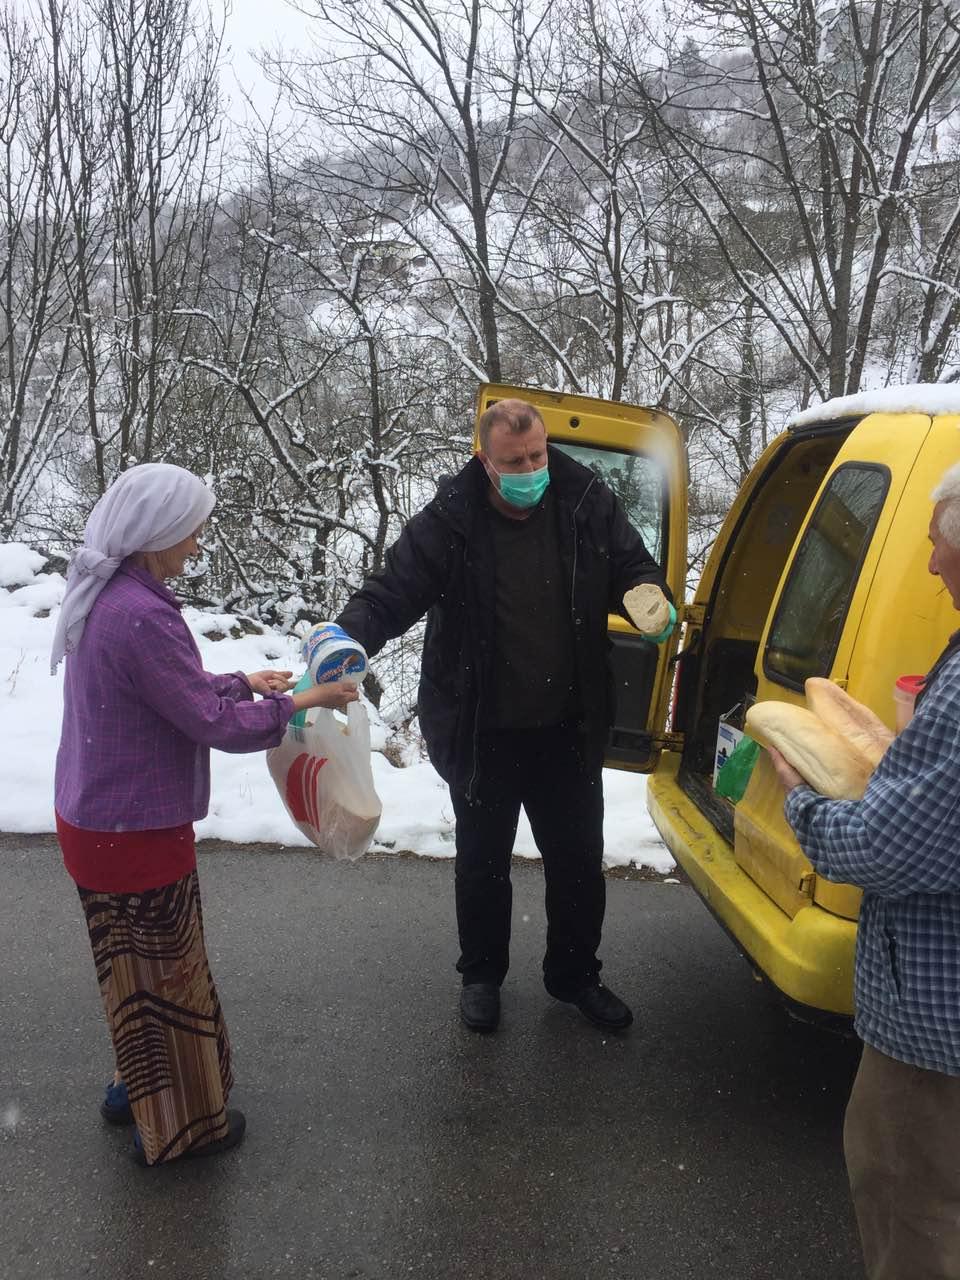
{"points": [[115, 1107], [234, 1136], [237, 1123]]}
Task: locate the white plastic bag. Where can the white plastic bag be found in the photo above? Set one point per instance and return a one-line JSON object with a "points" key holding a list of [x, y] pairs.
{"points": [[322, 771]]}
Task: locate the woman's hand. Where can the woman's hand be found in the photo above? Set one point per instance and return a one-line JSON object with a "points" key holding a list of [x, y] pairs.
{"points": [[333, 694], [789, 778], [270, 681]]}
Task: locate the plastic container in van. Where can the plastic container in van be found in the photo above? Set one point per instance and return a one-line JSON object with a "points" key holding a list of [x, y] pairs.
{"points": [[904, 696]]}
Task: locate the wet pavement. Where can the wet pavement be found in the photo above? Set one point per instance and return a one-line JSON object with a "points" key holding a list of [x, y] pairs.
{"points": [[387, 1141]]}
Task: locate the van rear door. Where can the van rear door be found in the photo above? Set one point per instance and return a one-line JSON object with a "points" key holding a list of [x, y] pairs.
{"points": [[814, 626], [717, 677], [640, 454]]}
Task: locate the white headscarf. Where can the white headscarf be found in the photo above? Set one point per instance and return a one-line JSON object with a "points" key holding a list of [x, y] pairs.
{"points": [[151, 507]]}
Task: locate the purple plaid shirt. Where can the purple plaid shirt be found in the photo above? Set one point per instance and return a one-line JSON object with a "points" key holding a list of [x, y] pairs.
{"points": [[140, 714]]}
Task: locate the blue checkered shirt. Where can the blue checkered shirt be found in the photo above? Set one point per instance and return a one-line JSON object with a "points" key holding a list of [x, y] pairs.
{"points": [[901, 845]]}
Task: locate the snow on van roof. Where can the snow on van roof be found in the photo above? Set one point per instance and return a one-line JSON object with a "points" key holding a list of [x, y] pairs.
{"points": [[916, 397]]}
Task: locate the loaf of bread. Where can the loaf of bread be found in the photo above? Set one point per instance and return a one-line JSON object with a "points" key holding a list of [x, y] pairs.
{"points": [[830, 764], [850, 719], [648, 608]]}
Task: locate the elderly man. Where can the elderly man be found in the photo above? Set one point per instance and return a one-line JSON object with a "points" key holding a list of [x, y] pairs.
{"points": [[901, 844], [518, 560]]}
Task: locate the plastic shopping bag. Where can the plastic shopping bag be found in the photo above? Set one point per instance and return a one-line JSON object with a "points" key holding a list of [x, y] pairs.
{"points": [[322, 771], [736, 770]]}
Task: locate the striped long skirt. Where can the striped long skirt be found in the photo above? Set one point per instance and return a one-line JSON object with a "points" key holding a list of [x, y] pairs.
{"points": [[163, 1012]]}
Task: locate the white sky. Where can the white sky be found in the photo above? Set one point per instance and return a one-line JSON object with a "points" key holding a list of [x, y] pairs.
{"points": [[253, 25]]}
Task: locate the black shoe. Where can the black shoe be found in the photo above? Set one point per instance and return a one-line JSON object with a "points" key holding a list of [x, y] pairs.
{"points": [[600, 1006], [480, 1005]]}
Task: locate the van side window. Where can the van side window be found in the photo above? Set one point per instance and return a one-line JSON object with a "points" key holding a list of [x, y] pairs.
{"points": [[639, 481], [810, 616]]}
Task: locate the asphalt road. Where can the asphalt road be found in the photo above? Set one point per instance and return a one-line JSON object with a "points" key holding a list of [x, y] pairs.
{"points": [[385, 1141]]}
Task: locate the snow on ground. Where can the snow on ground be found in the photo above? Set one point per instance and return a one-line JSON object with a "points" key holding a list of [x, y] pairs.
{"points": [[245, 806]]}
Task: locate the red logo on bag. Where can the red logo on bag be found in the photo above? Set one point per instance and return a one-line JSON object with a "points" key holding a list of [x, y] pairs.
{"points": [[301, 793]]}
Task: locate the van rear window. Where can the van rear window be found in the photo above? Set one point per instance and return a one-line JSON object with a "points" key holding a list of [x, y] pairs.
{"points": [[638, 480], [813, 607]]}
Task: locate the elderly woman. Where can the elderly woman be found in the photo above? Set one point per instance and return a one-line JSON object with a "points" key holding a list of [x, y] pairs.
{"points": [[133, 774]]}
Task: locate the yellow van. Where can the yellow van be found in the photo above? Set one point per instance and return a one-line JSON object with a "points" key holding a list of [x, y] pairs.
{"points": [[819, 569]]}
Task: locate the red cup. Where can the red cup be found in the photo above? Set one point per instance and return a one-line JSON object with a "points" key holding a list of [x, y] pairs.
{"points": [[904, 697]]}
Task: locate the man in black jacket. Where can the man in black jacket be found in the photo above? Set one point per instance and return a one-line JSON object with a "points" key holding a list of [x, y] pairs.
{"points": [[518, 559]]}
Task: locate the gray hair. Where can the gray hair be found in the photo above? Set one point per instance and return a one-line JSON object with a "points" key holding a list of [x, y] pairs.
{"points": [[948, 492]]}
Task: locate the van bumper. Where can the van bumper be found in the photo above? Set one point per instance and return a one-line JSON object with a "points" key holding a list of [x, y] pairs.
{"points": [[808, 958]]}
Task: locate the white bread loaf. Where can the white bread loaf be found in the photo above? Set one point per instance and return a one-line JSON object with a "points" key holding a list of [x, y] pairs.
{"points": [[648, 607], [853, 721], [830, 764]]}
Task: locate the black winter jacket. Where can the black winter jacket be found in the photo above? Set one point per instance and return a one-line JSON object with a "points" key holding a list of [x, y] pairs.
{"points": [[443, 563]]}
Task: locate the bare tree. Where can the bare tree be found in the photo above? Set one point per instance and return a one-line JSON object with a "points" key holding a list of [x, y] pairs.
{"points": [[35, 300], [632, 265], [303, 330], [418, 115], [160, 83], [935, 266], [832, 107]]}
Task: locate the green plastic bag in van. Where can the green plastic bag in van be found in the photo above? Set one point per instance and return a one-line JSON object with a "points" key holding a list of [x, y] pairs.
{"points": [[735, 771]]}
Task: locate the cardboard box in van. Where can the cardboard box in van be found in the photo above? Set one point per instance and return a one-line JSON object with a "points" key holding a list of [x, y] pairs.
{"points": [[820, 568]]}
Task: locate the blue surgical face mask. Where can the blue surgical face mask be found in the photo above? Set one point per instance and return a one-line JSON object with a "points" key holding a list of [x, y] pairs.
{"points": [[523, 490]]}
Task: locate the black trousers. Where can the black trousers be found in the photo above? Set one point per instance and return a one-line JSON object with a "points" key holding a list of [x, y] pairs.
{"points": [[544, 771]]}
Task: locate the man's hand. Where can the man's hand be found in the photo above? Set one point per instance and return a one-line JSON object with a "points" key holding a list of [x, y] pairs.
{"points": [[336, 695], [270, 681], [789, 778], [667, 631]]}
